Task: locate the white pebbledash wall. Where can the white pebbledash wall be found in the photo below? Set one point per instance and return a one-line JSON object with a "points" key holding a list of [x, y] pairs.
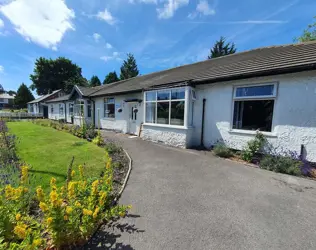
{"points": [[294, 117], [121, 122]]}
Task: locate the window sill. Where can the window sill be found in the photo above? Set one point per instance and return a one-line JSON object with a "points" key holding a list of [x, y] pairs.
{"points": [[252, 132], [166, 126], [108, 119]]}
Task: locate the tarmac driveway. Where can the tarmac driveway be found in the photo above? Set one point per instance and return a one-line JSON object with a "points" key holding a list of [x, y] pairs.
{"points": [[185, 199]]}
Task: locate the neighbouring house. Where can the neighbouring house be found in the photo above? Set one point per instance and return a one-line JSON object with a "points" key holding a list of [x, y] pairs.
{"points": [[75, 108], [227, 99], [39, 106], [6, 101]]}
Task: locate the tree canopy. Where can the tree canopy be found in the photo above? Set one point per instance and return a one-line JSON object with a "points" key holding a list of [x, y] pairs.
{"points": [[129, 68], [11, 92], [111, 77], [309, 34], [23, 96], [94, 81], [222, 48], [52, 74]]}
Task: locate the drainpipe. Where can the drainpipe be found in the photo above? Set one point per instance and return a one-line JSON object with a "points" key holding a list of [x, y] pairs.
{"points": [[65, 111], [202, 129]]}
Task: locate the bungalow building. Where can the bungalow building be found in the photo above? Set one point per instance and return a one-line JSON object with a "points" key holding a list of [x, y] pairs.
{"points": [[39, 106], [6, 101], [271, 89]]}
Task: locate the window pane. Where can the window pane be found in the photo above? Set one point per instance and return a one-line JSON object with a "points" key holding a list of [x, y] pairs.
{"points": [[151, 96], [266, 90], [177, 94], [151, 112], [253, 115], [89, 110], [177, 113], [109, 110], [163, 112], [163, 95]]}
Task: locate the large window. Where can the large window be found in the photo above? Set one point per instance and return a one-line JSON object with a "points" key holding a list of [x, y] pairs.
{"points": [[79, 108], [61, 109], [165, 107], [109, 107], [253, 107]]}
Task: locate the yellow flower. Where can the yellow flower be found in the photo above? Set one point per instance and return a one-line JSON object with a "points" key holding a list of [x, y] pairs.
{"points": [[18, 217], [81, 171], [69, 210], [43, 206], [108, 165], [65, 217], [71, 189], [95, 185], [49, 221], [96, 211], [102, 199], [108, 181], [122, 214], [53, 196], [73, 173], [37, 242], [24, 174], [77, 204], [87, 212], [129, 207], [9, 192], [25, 190], [52, 181], [40, 194], [20, 230]]}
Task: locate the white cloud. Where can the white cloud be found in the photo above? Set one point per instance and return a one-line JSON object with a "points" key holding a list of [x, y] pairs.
{"points": [[106, 16], [202, 8], [1, 69], [170, 8], [143, 1], [96, 37], [54, 48], [114, 56], [1, 23], [108, 46], [43, 22]]}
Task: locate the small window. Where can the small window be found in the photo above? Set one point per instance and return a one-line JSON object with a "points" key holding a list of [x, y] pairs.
{"points": [[89, 108], [61, 109], [71, 108], [253, 107], [51, 108], [109, 108]]}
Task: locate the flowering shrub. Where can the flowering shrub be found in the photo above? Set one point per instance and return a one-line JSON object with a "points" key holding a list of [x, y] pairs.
{"points": [[253, 147], [66, 216], [98, 140]]}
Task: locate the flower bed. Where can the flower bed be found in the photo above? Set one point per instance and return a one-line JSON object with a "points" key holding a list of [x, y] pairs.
{"points": [[64, 217]]}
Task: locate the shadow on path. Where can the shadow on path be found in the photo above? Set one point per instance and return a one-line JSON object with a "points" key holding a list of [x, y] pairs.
{"points": [[108, 235]]}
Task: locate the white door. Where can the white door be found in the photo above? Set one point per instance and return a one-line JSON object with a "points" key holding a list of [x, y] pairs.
{"points": [[133, 116]]}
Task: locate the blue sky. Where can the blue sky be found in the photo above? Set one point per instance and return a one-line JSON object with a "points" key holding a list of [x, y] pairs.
{"points": [[97, 34]]}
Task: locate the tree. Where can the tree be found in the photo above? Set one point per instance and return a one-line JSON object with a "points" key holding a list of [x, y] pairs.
{"points": [[221, 48], [111, 77], [23, 96], [11, 92], [129, 68], [95, 81], [50, 75], [309, 34]]}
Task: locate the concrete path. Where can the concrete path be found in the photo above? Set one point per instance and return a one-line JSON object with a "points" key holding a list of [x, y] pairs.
{"points": [[185, 199]]}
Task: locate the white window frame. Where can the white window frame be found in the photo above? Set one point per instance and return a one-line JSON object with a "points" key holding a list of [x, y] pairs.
{"points": [[170, 100], [71, 104], [106, 103], [254, 98], [79, 105]]}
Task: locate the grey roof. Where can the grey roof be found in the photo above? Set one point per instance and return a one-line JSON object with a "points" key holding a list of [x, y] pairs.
{"points": [[86, 91], [42, 98], [59, 99], [258, 62]]}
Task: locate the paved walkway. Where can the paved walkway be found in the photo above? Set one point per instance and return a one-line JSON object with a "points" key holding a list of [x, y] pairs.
{"points": [[185, 199]]}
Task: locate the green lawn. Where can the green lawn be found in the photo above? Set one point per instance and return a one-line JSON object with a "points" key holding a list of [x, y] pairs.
{"points": [[48, 152]]}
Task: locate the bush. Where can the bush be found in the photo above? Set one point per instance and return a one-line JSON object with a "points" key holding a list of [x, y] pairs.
{"points": [[98, 140], [281, 164], [112, 148], [253, 147], [222, 150], [67, 216]]}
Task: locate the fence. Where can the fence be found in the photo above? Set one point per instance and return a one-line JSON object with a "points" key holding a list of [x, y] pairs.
{"points": [[20, 115]]}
